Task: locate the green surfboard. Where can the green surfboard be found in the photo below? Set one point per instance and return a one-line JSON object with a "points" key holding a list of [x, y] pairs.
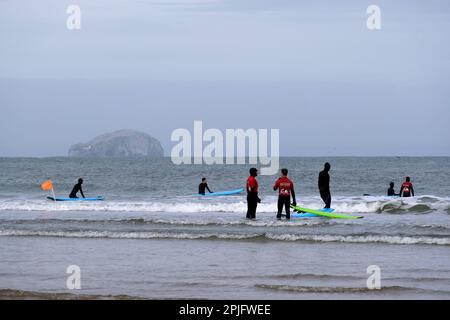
{"points": [[326, 214]]}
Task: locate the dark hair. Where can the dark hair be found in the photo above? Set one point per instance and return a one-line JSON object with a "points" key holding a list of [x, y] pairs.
{"points": [[408, 179], [391, 184], [253, 171], [203, 179], [284, 171], [327, 166], [80, 180]]}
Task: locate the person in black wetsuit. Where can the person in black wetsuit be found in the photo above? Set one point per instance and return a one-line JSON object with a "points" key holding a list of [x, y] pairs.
{"points": [[391, 190], [203, 186], [324, 185], [77, 188]]}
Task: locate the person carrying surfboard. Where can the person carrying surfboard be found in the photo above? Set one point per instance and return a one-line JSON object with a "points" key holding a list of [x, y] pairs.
{"points": [[407, 189], [77, 188], [252, 194], [285, 188], [203, 186], [324, 185]]}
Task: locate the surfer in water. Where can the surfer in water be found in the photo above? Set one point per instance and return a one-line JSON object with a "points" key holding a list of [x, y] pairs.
{"points": [[252, 194], [324, 185], [407, 189], [285, 188], [391, 190], [77, 188], [203, 186]]}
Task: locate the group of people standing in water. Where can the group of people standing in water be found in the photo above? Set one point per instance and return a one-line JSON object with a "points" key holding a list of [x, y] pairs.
{"points": [[406, 190], [285, 188]]}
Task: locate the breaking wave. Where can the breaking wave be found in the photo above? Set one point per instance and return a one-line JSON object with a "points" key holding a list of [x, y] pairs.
{"points": [[418, 205], [306, 289], [401, 240]]}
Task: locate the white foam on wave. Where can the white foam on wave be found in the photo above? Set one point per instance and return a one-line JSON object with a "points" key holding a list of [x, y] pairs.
{"points": [[122, 206], [362, 239], [340, 204], [402, 240], [125, 235], [246, 222]]}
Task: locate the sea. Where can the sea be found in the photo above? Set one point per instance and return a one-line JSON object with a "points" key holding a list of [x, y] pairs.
{"points": [[153, 237]]}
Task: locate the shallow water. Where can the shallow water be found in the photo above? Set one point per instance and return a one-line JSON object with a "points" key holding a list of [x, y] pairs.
{"points": [[154, 238]]}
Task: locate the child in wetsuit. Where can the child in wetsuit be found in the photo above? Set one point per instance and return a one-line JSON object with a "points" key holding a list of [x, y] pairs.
{"points": [[203, 186], [391, 190]]}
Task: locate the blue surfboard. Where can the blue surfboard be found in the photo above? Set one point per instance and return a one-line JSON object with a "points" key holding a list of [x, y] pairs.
{"points": [[310, 215], [224, 193], [98, 198]]}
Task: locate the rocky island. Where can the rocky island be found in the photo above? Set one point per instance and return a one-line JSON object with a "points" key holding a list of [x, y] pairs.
{"points": [[119, 144]]}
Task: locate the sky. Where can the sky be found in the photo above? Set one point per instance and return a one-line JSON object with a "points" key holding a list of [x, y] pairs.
{"points": [[309, 68]]}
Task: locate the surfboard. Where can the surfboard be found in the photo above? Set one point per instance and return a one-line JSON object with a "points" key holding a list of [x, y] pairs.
{"points": [[98, 198], [308, 215], [326, 214], [303, 215], [385, 196], [224, 193]]}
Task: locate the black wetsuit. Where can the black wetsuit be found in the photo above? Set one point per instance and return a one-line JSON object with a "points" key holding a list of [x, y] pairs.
{"points": [[252, 204], [75, 190], [391, 192], [202, 188], [324, 188]]}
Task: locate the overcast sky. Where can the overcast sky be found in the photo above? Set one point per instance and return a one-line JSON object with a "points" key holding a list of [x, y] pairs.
{"points": [[314, 71]]}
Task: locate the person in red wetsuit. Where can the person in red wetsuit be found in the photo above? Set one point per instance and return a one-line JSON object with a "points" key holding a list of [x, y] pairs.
{"points": [[252, 194], [407, 189], [285, 188]]}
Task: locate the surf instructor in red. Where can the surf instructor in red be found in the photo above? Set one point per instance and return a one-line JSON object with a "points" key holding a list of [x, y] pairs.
{"points": [[285, 188], [252, 194], [407, 189]]}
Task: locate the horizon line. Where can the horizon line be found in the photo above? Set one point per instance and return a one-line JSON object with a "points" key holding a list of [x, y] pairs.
{"points": [[289, 156]]}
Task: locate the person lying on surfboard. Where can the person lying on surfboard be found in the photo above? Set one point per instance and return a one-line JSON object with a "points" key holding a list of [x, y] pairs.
{"points": [[203, 186], [285, 188], [77, 188]]}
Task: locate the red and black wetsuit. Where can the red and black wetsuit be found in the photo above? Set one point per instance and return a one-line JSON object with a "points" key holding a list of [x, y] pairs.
{"points": [[407, 189], [252, 197], [285, 188]]}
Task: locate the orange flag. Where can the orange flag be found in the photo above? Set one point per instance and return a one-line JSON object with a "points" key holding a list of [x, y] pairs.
{"points": [[47, 185]]}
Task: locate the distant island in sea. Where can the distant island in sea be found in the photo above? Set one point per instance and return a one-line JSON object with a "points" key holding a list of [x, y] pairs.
{"points": [[119, 144]]}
